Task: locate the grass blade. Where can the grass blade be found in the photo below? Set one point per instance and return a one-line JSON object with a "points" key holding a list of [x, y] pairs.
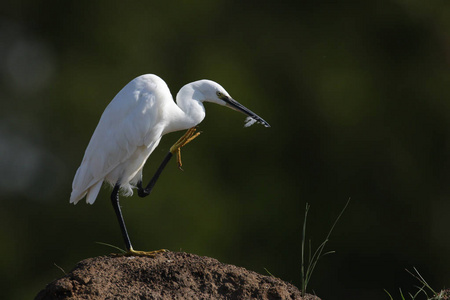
{"points": [[312, 262], [112, 246], [304, 282]]}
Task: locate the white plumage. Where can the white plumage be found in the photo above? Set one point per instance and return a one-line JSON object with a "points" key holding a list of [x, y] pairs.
{"points": [[132, 126]]}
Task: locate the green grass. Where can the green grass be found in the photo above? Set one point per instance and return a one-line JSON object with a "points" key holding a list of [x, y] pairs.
{"points": [[314, 259], [425, 289], [61, 269], [112, 246], [270, 274]]}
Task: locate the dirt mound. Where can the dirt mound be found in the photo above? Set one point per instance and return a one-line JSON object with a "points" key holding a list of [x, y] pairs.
{"points": [[170, 275]]}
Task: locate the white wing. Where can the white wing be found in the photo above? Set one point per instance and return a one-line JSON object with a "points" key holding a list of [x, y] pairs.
{"points": [[130, 123]]}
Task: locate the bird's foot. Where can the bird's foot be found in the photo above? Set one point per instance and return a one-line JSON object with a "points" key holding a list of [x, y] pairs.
{"points": [[185, 139], [132, 252]]}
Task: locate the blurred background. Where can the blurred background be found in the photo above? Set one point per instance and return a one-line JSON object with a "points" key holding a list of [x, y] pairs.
{"points": [[358, 96]]}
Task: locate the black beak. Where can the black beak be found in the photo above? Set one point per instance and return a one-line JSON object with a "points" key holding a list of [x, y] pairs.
{"points": [[233, 104]]}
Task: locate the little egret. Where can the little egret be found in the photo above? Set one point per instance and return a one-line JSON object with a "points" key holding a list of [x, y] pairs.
{"points": [[130, 129]]}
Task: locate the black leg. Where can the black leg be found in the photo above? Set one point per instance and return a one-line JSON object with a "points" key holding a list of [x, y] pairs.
{"points": [[115, 204], [145, 192], [185, 139]]}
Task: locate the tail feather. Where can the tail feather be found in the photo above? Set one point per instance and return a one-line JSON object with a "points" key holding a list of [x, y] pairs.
{"points": [[91, 193], [76, 196]]}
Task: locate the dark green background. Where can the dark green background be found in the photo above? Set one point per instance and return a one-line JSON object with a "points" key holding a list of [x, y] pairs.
{"points": [[358, 96]]}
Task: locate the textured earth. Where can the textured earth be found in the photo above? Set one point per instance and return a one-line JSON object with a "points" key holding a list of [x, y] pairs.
{"points": [[169, 275]]}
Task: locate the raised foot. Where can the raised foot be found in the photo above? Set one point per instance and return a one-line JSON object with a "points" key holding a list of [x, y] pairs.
{"points": [[185, 139], [133, 252]]}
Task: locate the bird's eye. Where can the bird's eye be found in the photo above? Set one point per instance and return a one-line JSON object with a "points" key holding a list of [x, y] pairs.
{"points": [[220, 95]]}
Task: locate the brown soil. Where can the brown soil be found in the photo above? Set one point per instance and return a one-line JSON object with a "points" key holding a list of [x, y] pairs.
{"points": [[169, 275]]}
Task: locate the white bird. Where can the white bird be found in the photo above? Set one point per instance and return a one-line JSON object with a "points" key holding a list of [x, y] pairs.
{"points": [[130, 129]]}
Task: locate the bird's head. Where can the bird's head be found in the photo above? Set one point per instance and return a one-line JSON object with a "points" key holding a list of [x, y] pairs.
{"points": [[215, 93]]}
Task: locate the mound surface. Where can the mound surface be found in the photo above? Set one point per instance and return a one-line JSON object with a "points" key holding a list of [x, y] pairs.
{"points": [[169, 275]]}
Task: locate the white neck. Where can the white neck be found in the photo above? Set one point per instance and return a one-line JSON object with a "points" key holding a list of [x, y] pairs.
{"points": [[190, 110]]}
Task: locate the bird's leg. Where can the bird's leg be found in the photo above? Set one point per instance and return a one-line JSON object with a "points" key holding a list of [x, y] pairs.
{"points": [[145, 192], [186, 138], [130, 251], [142, 192], [123, 228], [183, 141]]}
